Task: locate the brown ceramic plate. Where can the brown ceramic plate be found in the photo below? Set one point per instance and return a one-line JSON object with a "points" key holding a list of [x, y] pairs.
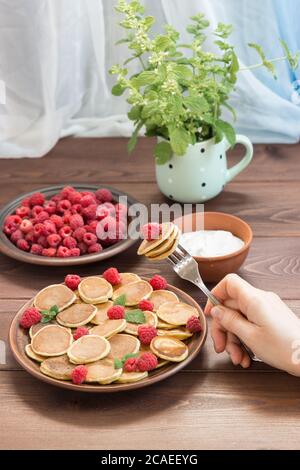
{"points": [[18, 339], [9, 249]]}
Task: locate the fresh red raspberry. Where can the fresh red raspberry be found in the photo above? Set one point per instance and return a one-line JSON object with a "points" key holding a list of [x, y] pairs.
{"points": [[67, 217], [104, 195], [80, 331], [89, 213], [194, 324], [76, 221], [83, 248], [63, 252], [36, 210], [37, 199], [75, 251], [121, 212], [30, 237], [13, 219], [89, 239], [75, 197], [15, 236], [36, 249], [39, 230], [30, 317], [42, 240], [54, 240], [49, 252], [146, 305], [23, 244], [121, 208], [87, 200], [131, 365], [88, 193], [23, 211], [96, 248], [50, 207], [79, 374], [26, 226], [78, 233], [57, 220], [151, 231], [102, 212], [76, 209], [65, 231], [50, 227], [146, 362], [70, 242], [64, 205], [56, 198], [146, 333], [72, 281], [41, 217], [25, 202], [158, 282], [112, 276], [67, 191], [93, 226], [116, 312], [10, 228], [111, 208]]}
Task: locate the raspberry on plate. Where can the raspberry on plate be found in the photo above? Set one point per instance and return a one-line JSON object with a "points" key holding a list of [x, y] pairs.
{"points": [[36, 210], [147, 362], [36, 199], [146, 305], [194, 324], [80, 331], [104, 195], [116, 312], [87, 200], [76, 221], [79, 374], [57, 220], [70, 242], [41, 217], [30, 317], [63, 252], [72, 281], [146, 333], [90, 212], [89, 239], [63, 205], [151, 231], [96, 248], [131, 365], [23, 211], [26, 226], [23, 244], [112, 276], [79, 233], [36, 249], [75, 251], [50, 207], [65, 231], [15, 236], [49, 252], [158, 282], [54, 240]]}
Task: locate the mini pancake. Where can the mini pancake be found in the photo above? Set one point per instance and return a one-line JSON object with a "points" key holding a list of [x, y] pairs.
{"points": [[57, 294], [95, 290], [38, 326], [134, 292], [127, 278], [161, 296], [101, 314], [164, 326], [76, 315], [103, 372], [58, 368], [132, 328], [129, 377], [179, 333], [167, 253], [146, 246], [109, 328], [160, 362], [165, 246], [169, 348], [53, 340], [89, 348], [122, 344], [30, 353], [176, 313]]}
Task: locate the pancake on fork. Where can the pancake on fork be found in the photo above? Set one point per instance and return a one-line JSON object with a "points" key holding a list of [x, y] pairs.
{"points": [[76, 315], [132, 328], [89, 348], [165, 245], [109, 328], [134, 292], [57, 294], [176, 313], [146, 246], [101, 314], [95, 290], [53, 340], [58, 367], [122, 344], [161, 296], [169, 348], [102, 372]]}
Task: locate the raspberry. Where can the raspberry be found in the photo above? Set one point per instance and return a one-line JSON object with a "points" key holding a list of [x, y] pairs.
{"points": [[111, 208], [80, 331], [57, 220], [104, 195], [53, 240], [49, 252], [75, 251], [87, 200], [70, 242], [63, 205], [194, 325], [50, 207], [102, 212], [76, 209], [23, 211], [79, 233], [83, 248], [10, 228], [76, 221], [90, 212], [75, 197], [72, 281], [30, 317], [41, 217], [146, 305], [121, 208], [36, 210], [26, 226], [63, 252], [67, 217], [147, 362], [37, 199], [79, 374], [42, 240], [56, 198], [131, 365], [116, 312], [12, 219], [151, 231], [39, 229], [146, 333], [23, 244], [30, 237], [89, 239], [36, 249], [93, 226], [15, 236], [158, 282], [65, 231], [66, 192], [96, 248], [112, 276], [25, 202]]}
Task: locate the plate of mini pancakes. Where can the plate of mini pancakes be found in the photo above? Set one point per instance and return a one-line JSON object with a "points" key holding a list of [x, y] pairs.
{"points": [[50, 353]]}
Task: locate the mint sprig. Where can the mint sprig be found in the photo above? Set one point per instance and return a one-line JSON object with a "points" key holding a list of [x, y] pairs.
{"points": [[135, 316], [49, 315], [119, 363], [121, 300]]}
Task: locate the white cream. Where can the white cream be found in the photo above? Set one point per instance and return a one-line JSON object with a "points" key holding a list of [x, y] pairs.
{"points": [[211, 243]]}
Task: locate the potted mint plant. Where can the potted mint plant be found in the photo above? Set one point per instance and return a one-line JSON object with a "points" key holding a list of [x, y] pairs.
{"points": [[179, 97]]}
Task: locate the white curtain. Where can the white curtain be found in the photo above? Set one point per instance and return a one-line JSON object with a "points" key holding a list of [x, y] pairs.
{"points": [[55, 54]]}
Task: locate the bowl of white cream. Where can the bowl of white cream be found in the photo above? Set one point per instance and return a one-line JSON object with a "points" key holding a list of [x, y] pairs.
{"points": [[219, 242]]}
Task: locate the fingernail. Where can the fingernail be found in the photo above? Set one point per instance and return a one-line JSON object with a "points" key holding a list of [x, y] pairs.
{"points": [[217, 312]]}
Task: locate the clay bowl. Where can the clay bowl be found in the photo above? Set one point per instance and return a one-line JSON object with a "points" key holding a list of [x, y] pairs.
{"points": [[216, 268]]}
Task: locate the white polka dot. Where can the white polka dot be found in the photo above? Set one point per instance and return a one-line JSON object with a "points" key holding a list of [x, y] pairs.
{"points": [[170, 181]]}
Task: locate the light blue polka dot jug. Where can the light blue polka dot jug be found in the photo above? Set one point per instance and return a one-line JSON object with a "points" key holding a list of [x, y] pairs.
{"points": [[201, 174]]}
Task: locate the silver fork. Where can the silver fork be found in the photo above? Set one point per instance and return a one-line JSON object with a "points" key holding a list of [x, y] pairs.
{"points": [[187, 268]]}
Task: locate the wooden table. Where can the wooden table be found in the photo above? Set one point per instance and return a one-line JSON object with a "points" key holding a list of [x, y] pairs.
{"points": [[210, 404]]}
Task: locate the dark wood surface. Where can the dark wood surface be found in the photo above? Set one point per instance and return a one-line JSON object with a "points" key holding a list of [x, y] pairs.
{"points": [[210, 404]]}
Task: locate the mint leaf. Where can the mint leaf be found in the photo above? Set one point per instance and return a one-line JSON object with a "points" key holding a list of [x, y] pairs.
{"points": [[54, 309], [118, 364], [120, 300], [129, 356], [135, 316], [162, 152], [49, 315]]}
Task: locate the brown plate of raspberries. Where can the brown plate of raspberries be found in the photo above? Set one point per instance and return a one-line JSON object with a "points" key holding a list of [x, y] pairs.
{"points": [[66, 225]]}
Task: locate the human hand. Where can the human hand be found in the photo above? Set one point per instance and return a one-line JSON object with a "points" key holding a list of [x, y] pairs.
{"points": [[260, 319]]}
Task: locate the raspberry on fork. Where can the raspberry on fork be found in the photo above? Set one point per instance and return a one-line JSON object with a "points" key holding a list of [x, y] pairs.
{"points": [[151, 231]]}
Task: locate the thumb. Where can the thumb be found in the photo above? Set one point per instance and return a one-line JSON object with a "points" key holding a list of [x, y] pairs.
{"points": [[234, 322]]}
